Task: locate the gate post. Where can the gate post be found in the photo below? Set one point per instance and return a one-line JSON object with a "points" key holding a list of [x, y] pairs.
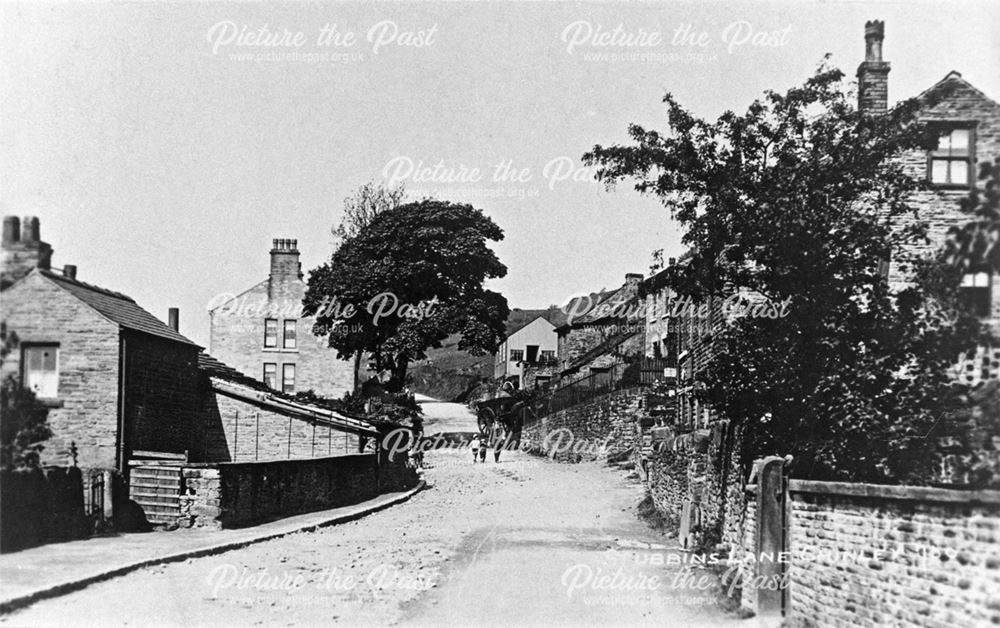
{"points": [[771, 541]]}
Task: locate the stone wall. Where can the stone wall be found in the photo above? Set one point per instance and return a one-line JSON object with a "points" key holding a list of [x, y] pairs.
{"points": [[236, 431], [698, 473], [244, 493], [908, 556], [594, 430]]}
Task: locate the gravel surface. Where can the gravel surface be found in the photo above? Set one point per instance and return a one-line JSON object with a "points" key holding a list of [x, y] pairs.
{"points": [[523, 542]]}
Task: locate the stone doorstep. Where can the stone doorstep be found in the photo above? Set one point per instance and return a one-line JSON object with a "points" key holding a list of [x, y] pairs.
{"points": [[349, 513]]}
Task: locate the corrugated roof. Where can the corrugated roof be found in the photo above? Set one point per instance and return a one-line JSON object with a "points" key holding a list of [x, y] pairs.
{"points": [[116, 307]]}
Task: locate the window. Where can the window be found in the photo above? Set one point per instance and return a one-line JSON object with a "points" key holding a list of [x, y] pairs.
{"points": [[975, 293], [41, 370], [952, 163], [288, 378], [548, 355], [271, 374], [289, 335], [270, 332], [516, 355]]}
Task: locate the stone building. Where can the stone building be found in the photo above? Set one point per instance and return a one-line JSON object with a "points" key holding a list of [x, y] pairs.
{"points": [[968, 124], [602, 330], [694, 477], [262, 333], [116, 378], [130, 399]]}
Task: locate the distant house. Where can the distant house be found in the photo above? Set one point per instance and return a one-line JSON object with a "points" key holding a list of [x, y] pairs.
{"points": [[534, 343], [261, 332], [608, 331]]}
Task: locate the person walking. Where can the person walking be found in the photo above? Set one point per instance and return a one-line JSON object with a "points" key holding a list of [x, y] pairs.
{"points": [[476, 445]]}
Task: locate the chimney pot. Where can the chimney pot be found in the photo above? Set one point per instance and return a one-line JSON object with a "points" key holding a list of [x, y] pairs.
{"points": [[11, 229], [69, 271], [874, 35], [174, 318], [30, 230]]}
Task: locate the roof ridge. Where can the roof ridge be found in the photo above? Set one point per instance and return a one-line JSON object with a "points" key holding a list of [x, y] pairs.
{"points": [[954, 75], [85, 285]]}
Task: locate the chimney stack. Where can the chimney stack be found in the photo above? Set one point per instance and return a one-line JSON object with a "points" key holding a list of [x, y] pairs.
{"points": [[69, 271], [22, 249], [30, 231], [632, 280], [285, 263], [11, 229], [873, 73], [174, 319]]}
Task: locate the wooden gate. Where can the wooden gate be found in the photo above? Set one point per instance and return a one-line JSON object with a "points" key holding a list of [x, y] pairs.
{"points": [[155, 484]]}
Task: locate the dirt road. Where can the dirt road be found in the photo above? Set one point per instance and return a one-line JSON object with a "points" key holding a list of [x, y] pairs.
{"points": [[523, 542]]}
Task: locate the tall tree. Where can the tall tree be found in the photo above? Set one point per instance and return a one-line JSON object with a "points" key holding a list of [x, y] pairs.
{"points": [[411, 276], [360, 208], [802, 197]]}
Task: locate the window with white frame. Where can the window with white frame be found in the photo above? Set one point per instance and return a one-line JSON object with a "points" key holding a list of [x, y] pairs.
{"points": [[270, 333], [271, 374], [952, 163], [288, 378], [976, 292], [41, 370], [289, 339]]}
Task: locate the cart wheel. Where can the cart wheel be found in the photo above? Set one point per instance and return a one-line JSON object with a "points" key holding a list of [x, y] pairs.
{"points": [[485, 419]]}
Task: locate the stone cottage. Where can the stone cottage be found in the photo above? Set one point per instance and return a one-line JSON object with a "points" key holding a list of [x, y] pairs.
{"points": [[131, 400], [602, 333]]}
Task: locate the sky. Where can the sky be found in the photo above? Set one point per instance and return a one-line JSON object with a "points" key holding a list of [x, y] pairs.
{"points": [[164, 145]]}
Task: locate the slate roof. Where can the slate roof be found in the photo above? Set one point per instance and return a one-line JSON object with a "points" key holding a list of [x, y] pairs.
{"points": [[605, 347], [215, 368], [116, 307], [955, 79], [235, 383]]}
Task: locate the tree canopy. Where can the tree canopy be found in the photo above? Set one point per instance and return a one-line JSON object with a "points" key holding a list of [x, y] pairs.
{"points": [[408, 279], [803, 197]]}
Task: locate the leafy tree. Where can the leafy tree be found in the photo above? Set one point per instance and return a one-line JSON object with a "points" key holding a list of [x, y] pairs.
{"points": [[368, 201], [24, 426], [976, 245], [429, 259], [802, 197]]}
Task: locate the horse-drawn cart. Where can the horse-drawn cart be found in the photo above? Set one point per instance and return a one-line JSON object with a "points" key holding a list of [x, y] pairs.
{"points": [[501, 418]]}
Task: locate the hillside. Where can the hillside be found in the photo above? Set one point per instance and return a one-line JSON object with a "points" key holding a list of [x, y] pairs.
{"points": [[449, 373]]}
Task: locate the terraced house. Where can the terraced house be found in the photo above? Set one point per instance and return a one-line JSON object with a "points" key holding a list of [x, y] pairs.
{"points": [[968, 123]]}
